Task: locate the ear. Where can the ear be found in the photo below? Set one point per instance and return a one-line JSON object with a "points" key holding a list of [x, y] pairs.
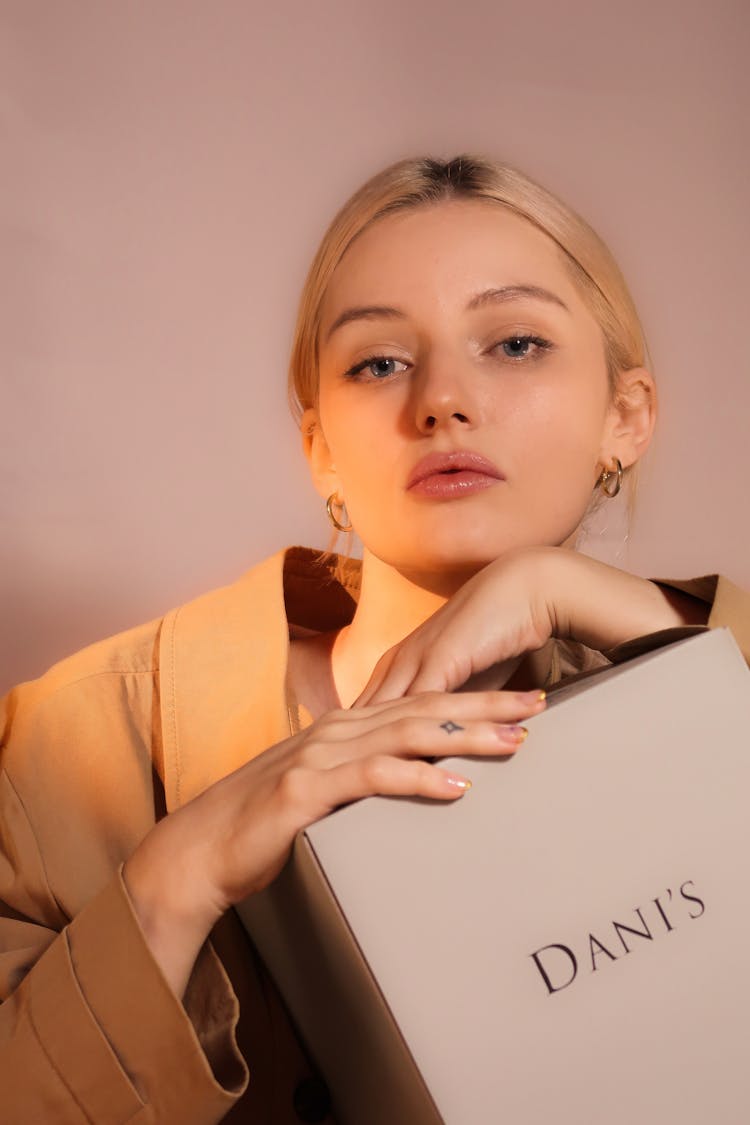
{"points": [[318, 455], [630, 419]]}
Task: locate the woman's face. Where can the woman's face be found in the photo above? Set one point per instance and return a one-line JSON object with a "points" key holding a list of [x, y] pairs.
{"points": [[454, 332]]}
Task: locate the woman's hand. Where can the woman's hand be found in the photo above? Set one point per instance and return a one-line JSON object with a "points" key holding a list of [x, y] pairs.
{"points": [[233, 839], [513, 606]]}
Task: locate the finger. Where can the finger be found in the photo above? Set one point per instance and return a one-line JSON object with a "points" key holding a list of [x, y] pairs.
{"points": [[379, 673], [416, 667], [420, 737], [488, 703], [439, 672], [396, 680], [493, 678], [382, 775], [452, 663], [415, 723], [495, 706]]}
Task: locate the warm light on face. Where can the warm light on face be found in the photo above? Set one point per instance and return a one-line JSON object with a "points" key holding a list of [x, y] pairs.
{"points": [[456, 331]]}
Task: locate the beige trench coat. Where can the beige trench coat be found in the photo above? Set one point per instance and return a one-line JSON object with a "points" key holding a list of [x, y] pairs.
{"points": [[93, 753]]}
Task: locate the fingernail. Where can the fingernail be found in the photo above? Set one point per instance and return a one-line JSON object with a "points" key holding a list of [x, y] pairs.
{"points": [[515, 733], [536, 696], [458, 782]]}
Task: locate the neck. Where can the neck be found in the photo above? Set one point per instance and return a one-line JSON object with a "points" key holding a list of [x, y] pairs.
{"points": [[391, 605]]}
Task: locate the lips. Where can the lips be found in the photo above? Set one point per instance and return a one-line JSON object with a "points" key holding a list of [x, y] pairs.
{"points": [[453, 474]]}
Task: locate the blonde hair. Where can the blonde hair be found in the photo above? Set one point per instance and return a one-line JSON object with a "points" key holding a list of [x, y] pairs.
{"points": [[413, 183]]}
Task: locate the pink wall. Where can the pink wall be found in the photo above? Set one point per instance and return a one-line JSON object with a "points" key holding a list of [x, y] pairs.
{"points": [[168, 169]]}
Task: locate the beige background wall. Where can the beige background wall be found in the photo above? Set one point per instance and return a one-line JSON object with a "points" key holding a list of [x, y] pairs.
{"points": [[167, 170]]}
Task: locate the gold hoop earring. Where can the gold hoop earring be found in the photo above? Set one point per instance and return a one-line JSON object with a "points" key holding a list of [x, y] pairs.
{"points": [[333, 499], [607, 474]]}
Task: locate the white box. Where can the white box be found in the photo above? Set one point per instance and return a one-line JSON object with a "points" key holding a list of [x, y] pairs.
{"points": [[427, 951]]}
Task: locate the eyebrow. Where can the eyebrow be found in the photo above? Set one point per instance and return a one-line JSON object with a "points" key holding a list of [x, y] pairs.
{"points": [[512, 293], [486, 297]]}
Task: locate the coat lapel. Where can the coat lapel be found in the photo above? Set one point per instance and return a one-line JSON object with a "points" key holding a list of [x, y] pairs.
{"points": [[223, 660]]}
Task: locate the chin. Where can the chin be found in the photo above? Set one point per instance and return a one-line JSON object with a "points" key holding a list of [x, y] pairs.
{"points": [[465, 552], [441, 570]]}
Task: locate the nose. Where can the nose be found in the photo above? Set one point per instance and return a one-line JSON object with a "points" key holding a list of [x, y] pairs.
{"points": [[443, 396]]}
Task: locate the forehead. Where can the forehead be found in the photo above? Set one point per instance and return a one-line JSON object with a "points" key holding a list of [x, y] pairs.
{"points": [[445, 251]]}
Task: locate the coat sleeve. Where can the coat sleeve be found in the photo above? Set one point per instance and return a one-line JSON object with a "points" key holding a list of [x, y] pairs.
{"points": [[729, 604], [728, 607], [90, 1031]]}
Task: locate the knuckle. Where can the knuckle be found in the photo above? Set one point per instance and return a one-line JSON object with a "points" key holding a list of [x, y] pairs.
{"points": [[337, 716], [294, 786], [325, 730], [376, 771], [326, 723], [408, 732], [422, 774], [435, 699], [311, 751]]}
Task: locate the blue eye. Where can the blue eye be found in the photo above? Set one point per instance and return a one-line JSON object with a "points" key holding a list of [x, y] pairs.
{"points": [[379, 367], [517, 347]]}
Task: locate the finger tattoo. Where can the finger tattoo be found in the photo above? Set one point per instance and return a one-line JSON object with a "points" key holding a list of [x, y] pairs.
{"points": [[450, 727]]}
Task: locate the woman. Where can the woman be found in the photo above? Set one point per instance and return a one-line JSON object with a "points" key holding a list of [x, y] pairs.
{"points": [[469, 370]]}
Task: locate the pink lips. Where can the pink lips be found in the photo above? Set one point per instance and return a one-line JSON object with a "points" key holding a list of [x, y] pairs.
{"points": [[449, 475]]}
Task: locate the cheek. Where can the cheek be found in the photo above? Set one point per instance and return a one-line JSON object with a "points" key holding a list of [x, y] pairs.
{"points": [[361, 447], [551, 443], [544, 424]]}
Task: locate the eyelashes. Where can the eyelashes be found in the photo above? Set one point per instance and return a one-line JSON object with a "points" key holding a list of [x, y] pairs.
{"points": [[375, 361], [515, 350], [514, 342]]}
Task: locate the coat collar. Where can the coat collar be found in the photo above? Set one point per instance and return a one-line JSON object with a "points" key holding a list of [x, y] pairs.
{"points": [[223, 660]]}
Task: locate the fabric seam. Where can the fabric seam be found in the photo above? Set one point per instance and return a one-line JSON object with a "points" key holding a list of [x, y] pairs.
{"points": [[54, 1067]]}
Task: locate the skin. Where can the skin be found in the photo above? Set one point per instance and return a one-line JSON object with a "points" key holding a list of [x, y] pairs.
{"points": [[451, 587], [545, 419]]}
